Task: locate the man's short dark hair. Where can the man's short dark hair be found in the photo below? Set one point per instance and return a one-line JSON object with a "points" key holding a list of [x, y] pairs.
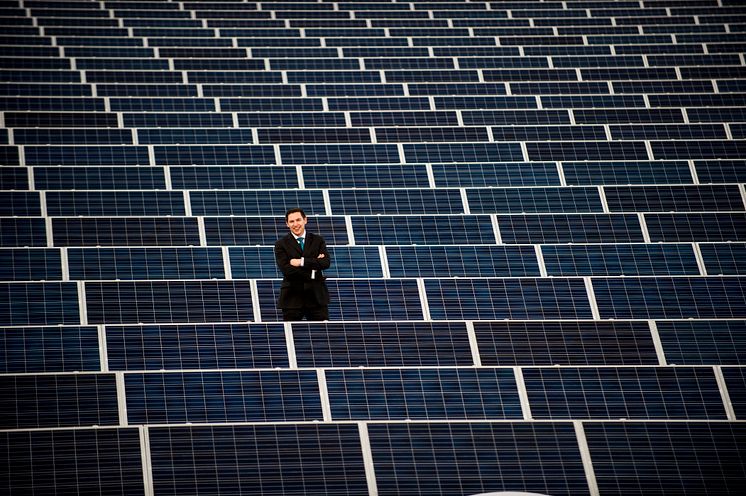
{"points": [[292, 211]]}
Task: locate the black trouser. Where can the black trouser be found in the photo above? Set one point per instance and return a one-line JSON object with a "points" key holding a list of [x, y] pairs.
{"points": [[310, 313]]}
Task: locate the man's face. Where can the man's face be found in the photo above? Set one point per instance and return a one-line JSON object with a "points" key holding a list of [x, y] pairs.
{"points": [[296, 223]]}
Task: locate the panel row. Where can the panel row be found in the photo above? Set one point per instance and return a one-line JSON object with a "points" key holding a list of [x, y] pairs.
{"points": [[200, 301], [165, 347], [407, 458], [251, 262], [339, 154], [375, 230], [466, 393], [465, 175]]}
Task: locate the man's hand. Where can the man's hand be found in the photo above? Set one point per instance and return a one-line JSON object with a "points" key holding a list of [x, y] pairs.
{"points": [[295, 262], [320, 255]]}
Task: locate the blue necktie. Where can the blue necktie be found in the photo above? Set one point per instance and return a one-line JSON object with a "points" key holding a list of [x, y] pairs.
{"points": [[300, 242]]}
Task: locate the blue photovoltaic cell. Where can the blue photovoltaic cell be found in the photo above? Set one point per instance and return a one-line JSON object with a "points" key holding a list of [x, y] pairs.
{"points": [[375, 299], [687, 458], [475, 457], [168, 302], [721, 171], [365, 176], [207, 346], [587, 150], [381, 344], [422, 230], [214, 155], [131, 231], [626, 392], [632, 172], [240, 396], [22, 232], [462, 261], [145, 263], [14, 178], [60, 400], [423, 394], [395, 201], [240, 177], [114, 203], [620, 259], [25, 264], [496, 174], [42, 303], [339, 154], [49, 349], [565, 343], [101, 178], [735, 381], [723, 258], [694, 198], [86, 155], [703, 342], [20, 204], [533, 200], [670, 297], [267, 230], [78, 461], [698, 149], [462, 152], [682, 227], [262, 460], [529, 298], [256, 202], [570, 228]]}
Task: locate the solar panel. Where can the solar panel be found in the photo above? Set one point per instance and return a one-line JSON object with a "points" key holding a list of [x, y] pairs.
{"points": [[629, 172], [58, 400], [496, 174], [258, 202], [395, 201], [49, 349], [570, 228], [703, 342], [620, 259], [420, 230], [24, 264], [469, 458], [168, 302], [228, 396], [624, 393], [494, 299], [114, 203], [125, 231], [323, 459], [463, 261], [381, 344], [204, 346], [565, 343], [419, 394], [676, 457], [681, 227], [533, 200], [105, 460], [671, 297], [365, 176]]}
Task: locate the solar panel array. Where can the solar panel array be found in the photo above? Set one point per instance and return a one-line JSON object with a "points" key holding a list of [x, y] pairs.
{"points": [[536, 214]]}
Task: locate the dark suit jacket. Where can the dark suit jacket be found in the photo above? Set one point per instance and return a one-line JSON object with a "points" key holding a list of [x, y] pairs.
{"points": [[298, 289]]}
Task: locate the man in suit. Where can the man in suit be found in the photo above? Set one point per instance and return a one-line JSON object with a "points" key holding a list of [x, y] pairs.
{"points": [[301, 257]]}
